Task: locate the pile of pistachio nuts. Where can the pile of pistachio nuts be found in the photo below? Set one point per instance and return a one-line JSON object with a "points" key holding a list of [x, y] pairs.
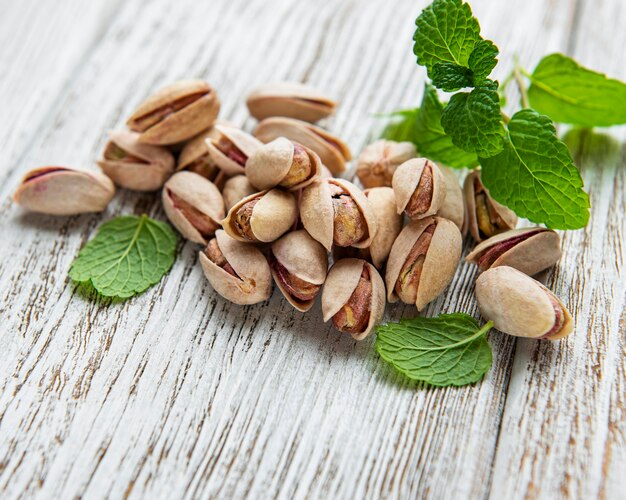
{"points": [[272, 206]]}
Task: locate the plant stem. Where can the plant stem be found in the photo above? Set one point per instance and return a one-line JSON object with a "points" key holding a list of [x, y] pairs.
{"points": [[506, 118], [517, 74]]}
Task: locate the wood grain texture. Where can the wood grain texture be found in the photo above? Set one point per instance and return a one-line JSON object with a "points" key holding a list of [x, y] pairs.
{"points": [[177, 393]]}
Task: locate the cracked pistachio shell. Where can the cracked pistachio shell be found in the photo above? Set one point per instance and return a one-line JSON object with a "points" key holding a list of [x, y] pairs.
{"points": [[176, 112], [243, 144], [325, 173], [333, 152], [236, 189], [305, 259], [272, 216], [506, 216], [64, 191], [405, 183], [378, 161], [521, 306], [388, 222], [134, 165], [294, 100], [440, 262], [341, 282], [199, 209], [269, 165], [529, 250], [453, 207], [318, 216], [253, 283]]}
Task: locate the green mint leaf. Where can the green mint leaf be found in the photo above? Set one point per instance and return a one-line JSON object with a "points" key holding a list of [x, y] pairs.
{"points": [[446, 32], [570, 93], [482, 60], [402, 127], [450, 349], [535, 175], [451, 76], [128, 255], [474, 122]]}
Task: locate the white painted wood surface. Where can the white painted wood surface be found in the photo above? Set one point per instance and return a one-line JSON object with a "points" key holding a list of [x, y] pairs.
{"points": [[177, 393]]}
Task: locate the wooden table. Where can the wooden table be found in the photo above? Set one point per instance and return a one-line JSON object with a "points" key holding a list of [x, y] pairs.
{"points": [[177, 393]]}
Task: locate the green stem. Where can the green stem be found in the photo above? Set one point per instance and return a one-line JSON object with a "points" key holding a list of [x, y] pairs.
{"points": [[517, 74], [506, 118]]}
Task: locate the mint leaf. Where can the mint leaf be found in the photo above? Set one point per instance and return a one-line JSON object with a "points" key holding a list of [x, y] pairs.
{"points": [[570, 93], [474, 122], [451, 76], [450, 349], [482, 60], [446, 32], [535, 175], [402, 128], [128, 255]]}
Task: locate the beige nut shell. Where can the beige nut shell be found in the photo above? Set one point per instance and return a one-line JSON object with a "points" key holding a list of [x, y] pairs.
{"points": [[453, 207], [530, 256], [200, 193], [236, 189], [379, 160], [341, 282], [440, 263], [304, 258], [246, 143], [249, 264], [388, 223], [407, 177], [197, 147], [272, 216], [269, 165], [518, 305]]}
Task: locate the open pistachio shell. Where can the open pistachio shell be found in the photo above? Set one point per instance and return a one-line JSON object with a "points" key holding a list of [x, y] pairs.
{"points": [[333, 152], [193, 205], [299, 265], [342, 283], [319, 218], [408, 189], [388, 222], [252, 281], [176, 113], [272, 214], [529, 250], [195, 156], [520, 306], [231, 149], [291, 99], [64, 191], [484, 217], [278, 162], [440, 259], [236, 189], [453, 207], [378, 161]]}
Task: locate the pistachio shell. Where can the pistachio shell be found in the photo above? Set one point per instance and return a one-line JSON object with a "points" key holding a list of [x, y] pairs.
{"points": [[195, 156], [378, 161], [235, 189], [389, 223], [341, 282], [519, 305], [243, 141], [453, 207], [255, 280], [332, 151], [176, 112], [64, 191], [294, 100], [269, 165], [134, 165], [200, 194], [440, 262], [405, 182]]}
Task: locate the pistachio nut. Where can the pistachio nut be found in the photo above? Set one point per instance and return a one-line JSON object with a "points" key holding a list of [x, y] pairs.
{"points": [[423, 261], [378, 161], [238, 272], [325, 173], [194, 205], [529, 250], [134, 165], [521, 306], [299, 265], [195, 157], [484, 216], [176, 113], [420, 188], [231, 149], [453, 207], [64, 191], [333, 152], [235, 189], [291, 99], [388, 222], [354, 297], [283, 163], [261, 217], [335, 211]]}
